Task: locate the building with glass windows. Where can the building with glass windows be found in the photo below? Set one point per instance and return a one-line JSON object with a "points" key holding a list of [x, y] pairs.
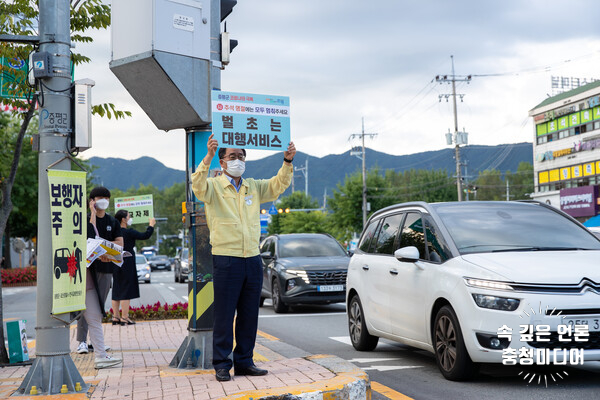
{"points": [[566, 150]]}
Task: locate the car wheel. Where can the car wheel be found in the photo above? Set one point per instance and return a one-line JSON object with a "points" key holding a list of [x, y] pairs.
{"points": [[177, 279], [148, 281], [183, 278], [360, 337], [451, 354], [261, 302], [278, 305]]}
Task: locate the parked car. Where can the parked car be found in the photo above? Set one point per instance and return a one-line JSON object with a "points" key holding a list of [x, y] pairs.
{"points": [[159, 262], [304, 268], [182, 265], [144, 272], [454, 278]]}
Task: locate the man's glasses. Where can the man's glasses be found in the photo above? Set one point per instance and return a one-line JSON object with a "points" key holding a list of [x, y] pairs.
{"points": [[232, 157]]}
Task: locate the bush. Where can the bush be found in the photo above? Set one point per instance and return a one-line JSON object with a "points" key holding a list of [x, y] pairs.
{"points": [[154, 312], [19, 275]]}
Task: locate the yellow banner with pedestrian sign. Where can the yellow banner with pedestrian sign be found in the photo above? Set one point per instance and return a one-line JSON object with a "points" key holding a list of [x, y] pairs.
{"points": [[69, 236]]}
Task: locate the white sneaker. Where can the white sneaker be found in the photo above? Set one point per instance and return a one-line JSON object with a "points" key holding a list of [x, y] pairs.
{"points": [[106, 362], [82, 348], [107, 348]]}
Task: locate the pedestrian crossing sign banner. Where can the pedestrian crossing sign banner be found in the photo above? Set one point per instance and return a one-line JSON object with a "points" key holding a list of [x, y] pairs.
{"points": [[68, 222]]}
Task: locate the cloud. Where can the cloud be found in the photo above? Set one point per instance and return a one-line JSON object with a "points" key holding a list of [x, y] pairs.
{"points": [[340, 61]]}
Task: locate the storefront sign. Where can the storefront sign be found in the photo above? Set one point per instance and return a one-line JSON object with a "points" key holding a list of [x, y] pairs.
{"points": [[69, 236], [579, 201]]}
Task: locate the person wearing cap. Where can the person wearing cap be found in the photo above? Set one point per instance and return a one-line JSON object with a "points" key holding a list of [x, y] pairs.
{"points": [[232, 207], [98, 279]]}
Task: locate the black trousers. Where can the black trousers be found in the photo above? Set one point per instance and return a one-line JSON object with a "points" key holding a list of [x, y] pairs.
{"points": [[238, 285]]}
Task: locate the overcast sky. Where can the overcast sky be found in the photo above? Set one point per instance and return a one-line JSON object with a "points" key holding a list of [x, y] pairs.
{"points": [[339, 61]]}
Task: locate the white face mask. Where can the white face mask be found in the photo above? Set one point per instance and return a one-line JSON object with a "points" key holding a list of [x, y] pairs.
{"points": [[129, 222], [236, 168], [102, 204]]}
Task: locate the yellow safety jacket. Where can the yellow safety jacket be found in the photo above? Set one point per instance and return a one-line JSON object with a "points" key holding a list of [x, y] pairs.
{"points": [[233, 217]]}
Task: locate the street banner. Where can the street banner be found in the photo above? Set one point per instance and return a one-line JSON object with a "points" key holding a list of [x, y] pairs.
{"points": [[251, 121], [69, 236], [141, 208], [12, 73]]}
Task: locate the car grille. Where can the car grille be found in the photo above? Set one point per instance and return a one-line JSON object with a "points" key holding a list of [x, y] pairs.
{"points": [[593, 343], [327, 278]]}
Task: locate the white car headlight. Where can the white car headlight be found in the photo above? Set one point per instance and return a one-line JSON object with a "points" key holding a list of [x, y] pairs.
{"points": [[496, 303], [483, 284]]}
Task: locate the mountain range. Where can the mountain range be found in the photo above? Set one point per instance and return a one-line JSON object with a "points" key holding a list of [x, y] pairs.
{"points": [[324, 173]]}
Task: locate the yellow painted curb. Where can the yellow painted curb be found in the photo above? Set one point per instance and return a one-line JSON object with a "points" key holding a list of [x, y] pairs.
{"points": [[329, 387]]}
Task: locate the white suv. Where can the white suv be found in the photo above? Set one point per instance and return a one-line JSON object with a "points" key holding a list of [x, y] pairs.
{"points": [[461, 280]]}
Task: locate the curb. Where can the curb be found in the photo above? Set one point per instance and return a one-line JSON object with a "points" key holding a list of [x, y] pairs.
{"points": [[350, 383]]}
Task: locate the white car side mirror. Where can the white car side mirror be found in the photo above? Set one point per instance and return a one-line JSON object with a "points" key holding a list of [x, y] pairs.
{"points": [[407, 254]]}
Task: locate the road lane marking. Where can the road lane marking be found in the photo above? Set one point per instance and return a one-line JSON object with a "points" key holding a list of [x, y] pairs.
{"points": [[185, 298], [162, 284], [371, 360], [388, 392], [342, 339], [171, 287], [266, 336], [301, 315], [383, 368]]}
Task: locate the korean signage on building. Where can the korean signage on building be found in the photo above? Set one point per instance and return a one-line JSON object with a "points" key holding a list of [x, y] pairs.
{"points": [[251, 121], [579, 201], [69, 236], [140, 208]]}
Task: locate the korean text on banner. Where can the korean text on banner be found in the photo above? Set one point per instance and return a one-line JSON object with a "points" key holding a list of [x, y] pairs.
{"points": [[141, 208], [69, 236], [251, 121]]}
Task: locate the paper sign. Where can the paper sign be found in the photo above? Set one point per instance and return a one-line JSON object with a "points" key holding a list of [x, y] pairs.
{"points": [[141, 208]]}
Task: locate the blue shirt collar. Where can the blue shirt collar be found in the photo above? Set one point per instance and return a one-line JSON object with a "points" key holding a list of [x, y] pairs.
{"points": [[237, 188]]}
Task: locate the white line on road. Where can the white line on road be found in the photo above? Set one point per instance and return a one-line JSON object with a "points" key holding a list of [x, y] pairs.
{"points": [[162, 284], [342, 339], [371, 360], [185, 298], [171, 287], [382, 368], [301, 315]]}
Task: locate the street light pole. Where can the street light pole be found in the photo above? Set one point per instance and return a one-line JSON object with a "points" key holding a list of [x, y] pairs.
{"points": [[53, 366]]}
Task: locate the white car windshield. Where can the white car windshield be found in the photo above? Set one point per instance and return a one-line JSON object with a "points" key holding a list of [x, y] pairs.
{"points": [[495, 227]]}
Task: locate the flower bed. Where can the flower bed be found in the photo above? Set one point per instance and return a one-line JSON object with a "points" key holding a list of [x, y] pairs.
{"points": [[19, 276], [154, 312]]}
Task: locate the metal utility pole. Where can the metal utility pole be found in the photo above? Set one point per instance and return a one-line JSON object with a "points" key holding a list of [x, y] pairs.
{"points": [[53, 366], [507, 190], [304, 171], [364, 167], [459, 137]]}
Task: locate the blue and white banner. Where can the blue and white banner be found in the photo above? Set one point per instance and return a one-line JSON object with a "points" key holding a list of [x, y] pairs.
{"points": [[251, 121]]}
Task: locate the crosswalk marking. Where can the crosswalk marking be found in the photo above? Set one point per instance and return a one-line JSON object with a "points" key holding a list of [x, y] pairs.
{"points": [[383, 368], [388, 392], [342, 339]]}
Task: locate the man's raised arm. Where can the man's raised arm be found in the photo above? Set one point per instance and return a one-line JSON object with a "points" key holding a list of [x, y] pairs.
{"points": [[202, 189]]}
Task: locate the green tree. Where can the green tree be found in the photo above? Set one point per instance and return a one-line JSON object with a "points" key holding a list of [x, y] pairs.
{"points": [[19, 17], [304, 222], [490, 185], [296, 200], [521, 182]]}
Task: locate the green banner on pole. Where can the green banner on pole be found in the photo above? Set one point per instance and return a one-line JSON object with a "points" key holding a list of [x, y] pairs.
{"points": [[141, 208], [13, 72], [69, 236]]}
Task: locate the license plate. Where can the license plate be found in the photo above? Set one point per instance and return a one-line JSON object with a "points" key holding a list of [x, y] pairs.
{"points": [[593, 323], [331, 288]]}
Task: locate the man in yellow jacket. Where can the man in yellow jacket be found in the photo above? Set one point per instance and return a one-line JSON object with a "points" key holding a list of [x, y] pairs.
{"points": [[232, 207]]}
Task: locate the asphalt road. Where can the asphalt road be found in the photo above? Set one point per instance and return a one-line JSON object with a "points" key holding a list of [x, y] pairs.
{"points": [[397, 371]]}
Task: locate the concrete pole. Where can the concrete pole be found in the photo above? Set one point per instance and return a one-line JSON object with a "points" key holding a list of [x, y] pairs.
{"points": [[53, 366], [306, 177], [364, 176], [457, 147]]}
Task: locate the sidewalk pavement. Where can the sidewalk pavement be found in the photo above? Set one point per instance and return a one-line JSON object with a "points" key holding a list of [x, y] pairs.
{"points": [[148, 347]]}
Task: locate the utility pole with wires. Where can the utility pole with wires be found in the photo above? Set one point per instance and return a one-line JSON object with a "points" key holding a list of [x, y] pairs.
{"points": [[304, 171], [457, 138], [364, 167]]}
